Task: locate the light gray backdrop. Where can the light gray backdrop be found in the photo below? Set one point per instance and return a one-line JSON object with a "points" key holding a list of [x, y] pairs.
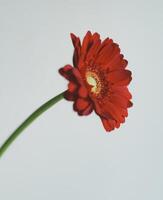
{"points": [[62, 156]]}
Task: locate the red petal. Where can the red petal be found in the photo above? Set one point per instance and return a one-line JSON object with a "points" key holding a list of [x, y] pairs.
{"points": [[108, 124], [119, 100], [108, 55], [71, 73], [130, 104], [77, 75], [88, 110], [74, 76], [117, 125], [95, 37], [109, 110], [83, 92], [77, 49], [94, 47], [116, 63], [123, 91], [93, 51], [86, 43], [106, 42], [81, 104], [72, 86], [120, 77], [112, 110], [105, 53], [75, 40], [66, 72], [69, 96], [124, 63]]}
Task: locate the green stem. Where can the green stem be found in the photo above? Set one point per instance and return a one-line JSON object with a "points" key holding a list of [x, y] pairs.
{"points": [[29, 120]]}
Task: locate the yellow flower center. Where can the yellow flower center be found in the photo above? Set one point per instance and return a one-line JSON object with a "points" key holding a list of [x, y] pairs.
{"points": [[94, 81]]}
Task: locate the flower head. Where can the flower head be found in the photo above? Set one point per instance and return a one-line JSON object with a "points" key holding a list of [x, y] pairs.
{"points": [[99, 79]]}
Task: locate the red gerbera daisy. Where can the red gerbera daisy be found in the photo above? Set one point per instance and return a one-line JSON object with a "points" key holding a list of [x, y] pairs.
{"points": [[98, 81]]}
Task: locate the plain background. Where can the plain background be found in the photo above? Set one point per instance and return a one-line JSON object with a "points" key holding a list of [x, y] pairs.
{"points": [[63, 156]]}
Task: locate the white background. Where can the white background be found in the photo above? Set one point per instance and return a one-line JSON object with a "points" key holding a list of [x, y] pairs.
{"points": [[63, 156]]}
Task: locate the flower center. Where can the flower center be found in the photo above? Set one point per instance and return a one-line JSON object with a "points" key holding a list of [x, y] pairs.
{"points": [[94, 81]]}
